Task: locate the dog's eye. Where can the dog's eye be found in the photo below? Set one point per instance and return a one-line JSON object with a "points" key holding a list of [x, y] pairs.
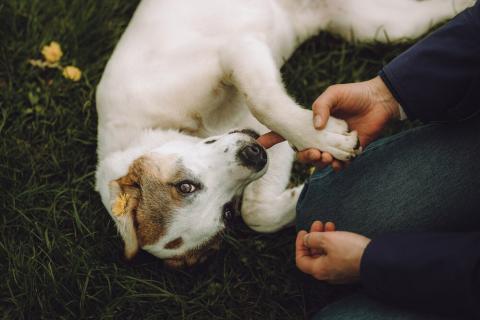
{"points": [[186, 187]]}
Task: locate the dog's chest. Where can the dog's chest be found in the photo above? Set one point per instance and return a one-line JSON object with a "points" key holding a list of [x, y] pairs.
{"points": [[221, 109]]}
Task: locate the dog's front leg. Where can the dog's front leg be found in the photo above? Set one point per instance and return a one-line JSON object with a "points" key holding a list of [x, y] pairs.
{"points": [[267, 206], [255, 73]]}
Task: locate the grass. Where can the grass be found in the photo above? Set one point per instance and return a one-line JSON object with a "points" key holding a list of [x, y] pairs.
{"points": [[58, 247]]}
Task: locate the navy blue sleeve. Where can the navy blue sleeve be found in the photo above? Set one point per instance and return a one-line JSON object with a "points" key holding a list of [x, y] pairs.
{"points": [[436, 272], [438, 78]]}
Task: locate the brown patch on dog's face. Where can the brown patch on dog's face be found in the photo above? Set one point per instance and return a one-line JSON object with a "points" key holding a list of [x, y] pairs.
{"points": [[152, 197], [159, 198], [174, 244]]}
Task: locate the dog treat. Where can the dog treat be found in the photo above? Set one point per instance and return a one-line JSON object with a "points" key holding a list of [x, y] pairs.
{"points": [[120, 205]]}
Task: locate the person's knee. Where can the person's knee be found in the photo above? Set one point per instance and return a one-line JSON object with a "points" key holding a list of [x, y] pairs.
{"points": [[309, 202]]}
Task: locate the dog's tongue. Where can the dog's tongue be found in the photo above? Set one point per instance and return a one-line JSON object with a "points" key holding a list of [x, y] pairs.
{"points": [[269, 139]]}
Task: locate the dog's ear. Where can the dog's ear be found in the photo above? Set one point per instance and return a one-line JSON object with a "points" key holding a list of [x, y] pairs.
{"points": [[124, 198]]}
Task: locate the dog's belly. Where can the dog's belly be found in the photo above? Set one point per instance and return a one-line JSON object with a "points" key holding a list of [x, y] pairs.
{"points": [[225, 108]]}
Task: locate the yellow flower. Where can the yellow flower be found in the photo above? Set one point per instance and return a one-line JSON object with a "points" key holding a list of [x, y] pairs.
{"points": [[120, 205], [72, 73], [53, 52]]}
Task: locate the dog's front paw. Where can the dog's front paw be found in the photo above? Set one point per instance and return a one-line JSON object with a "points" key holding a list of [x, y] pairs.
{"points": [[335, 139], [344, 147]]}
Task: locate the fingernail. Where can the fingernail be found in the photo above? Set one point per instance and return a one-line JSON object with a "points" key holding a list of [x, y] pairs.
{"points": [[317, 121]]}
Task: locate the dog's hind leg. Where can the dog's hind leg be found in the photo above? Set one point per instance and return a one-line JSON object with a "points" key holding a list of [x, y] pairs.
{"points": [[267, 206], [389, 20], [256, 75]]}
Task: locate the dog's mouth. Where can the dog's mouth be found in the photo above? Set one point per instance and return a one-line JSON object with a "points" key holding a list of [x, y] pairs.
{"points": [[200, 254], [197, 255]]}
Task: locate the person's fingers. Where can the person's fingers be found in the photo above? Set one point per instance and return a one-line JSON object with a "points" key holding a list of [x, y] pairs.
{"points": [[314, 240], [330, 226], [309, 156], [322, 106], [316, 226], [305, 240], [270, 139], [318, 164], [301, 156], [302, 255], [300, 249], [320, 159], [314, 155], [327, 158], [337, 165], [315, 266]]}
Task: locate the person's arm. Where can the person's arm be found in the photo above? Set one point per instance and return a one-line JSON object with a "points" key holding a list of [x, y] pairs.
{"points": [[438, 79], [428, 271]]}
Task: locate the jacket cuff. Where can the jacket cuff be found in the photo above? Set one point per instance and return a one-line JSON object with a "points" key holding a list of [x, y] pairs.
{"points": [[383, 74], [369, 271]]}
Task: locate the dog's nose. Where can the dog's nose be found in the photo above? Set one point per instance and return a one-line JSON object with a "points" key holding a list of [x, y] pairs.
{"points": [[253, 156], [252, 152]]}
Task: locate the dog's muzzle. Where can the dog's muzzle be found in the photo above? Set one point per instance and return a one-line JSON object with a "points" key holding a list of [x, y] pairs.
{"points": [[253, 156]]}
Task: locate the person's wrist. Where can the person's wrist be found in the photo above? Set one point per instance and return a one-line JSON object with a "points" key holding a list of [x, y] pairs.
{"points": [[384, 97]]}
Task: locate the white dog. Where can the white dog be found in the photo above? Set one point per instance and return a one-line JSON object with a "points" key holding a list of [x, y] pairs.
{"points": [[184, 74]]}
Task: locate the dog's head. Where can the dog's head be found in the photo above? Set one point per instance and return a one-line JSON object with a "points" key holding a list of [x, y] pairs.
{"points": [[176, 200]]}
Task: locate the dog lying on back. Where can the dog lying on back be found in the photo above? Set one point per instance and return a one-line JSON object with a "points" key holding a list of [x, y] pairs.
{"points": [[184, 75]]}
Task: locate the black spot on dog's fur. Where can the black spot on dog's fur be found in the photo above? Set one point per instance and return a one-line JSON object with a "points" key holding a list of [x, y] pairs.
{"points": [[249, 132]]}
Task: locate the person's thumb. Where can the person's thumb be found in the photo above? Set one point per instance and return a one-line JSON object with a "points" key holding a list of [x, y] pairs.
{"points": [[270, 139], [315, 240], [322, 106]]}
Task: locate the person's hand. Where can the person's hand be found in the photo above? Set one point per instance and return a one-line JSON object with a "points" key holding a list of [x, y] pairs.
{"points": [[329, 255], [366, 106]]}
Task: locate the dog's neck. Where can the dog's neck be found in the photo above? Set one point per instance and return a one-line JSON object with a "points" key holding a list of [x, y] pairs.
{"points": [[153, 138], [121, 138]]}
